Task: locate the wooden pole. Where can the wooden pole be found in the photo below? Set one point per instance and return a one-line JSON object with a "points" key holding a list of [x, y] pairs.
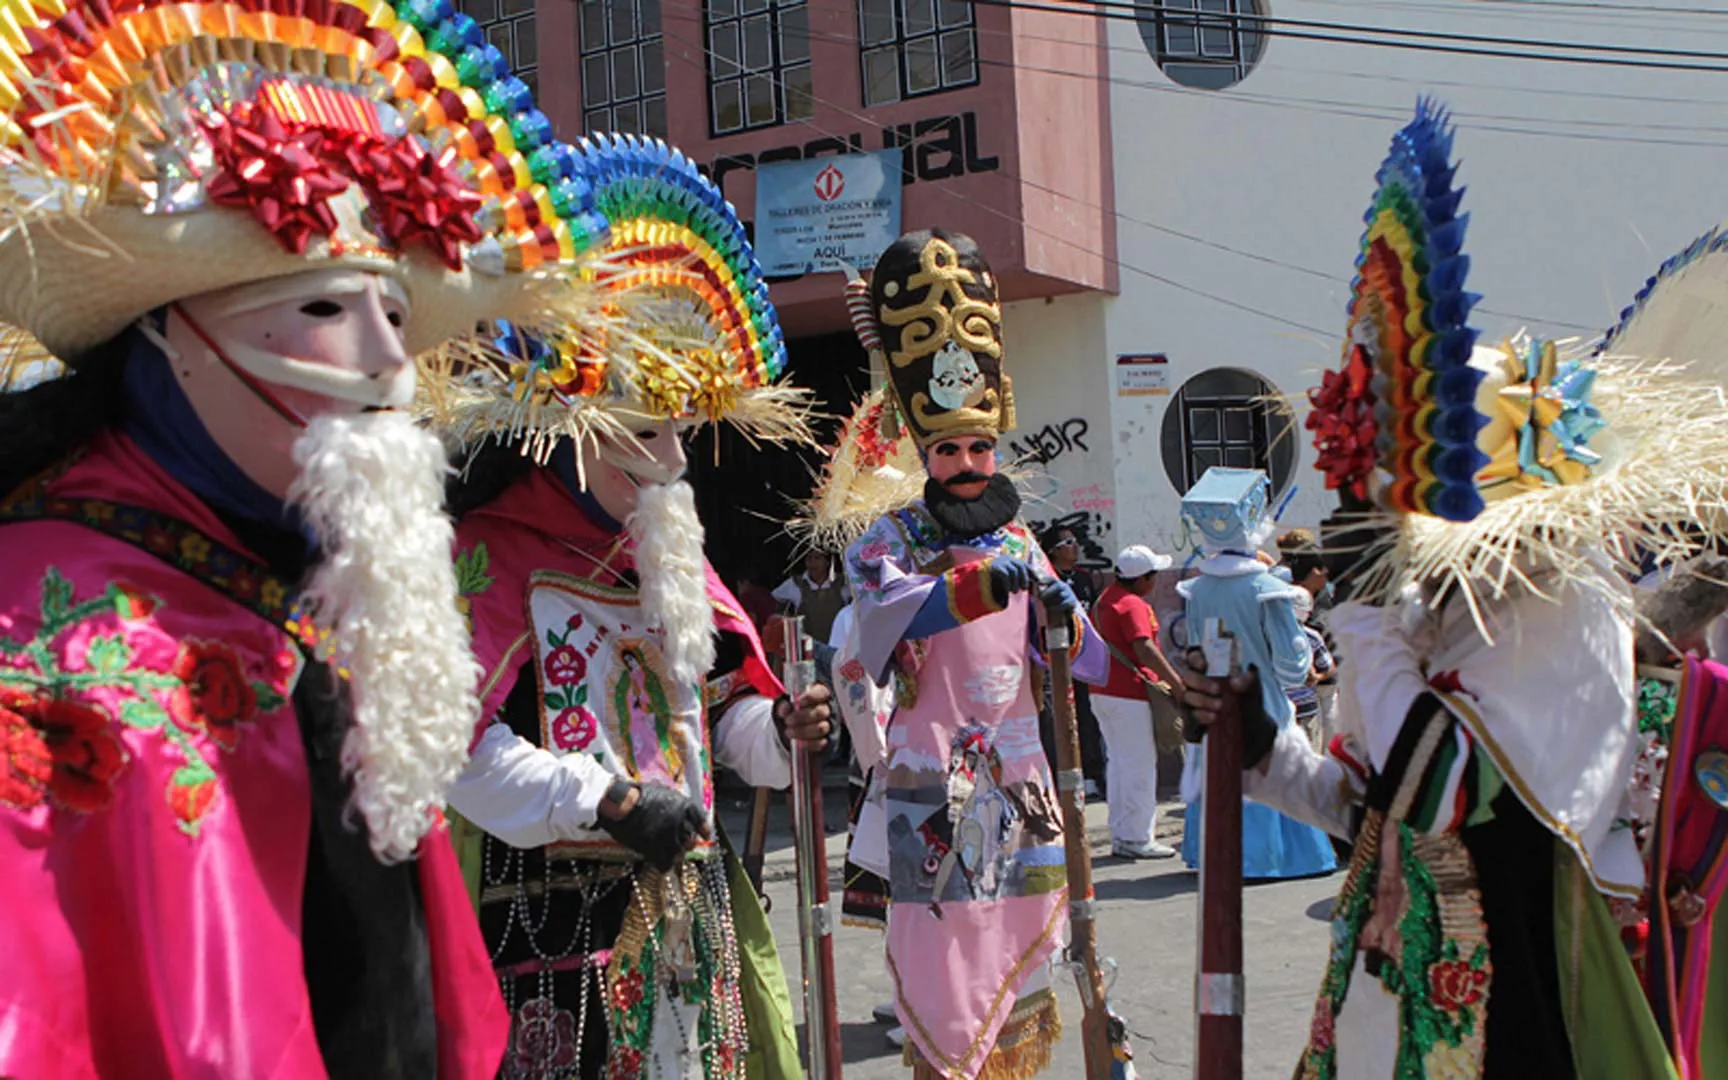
{"points": [[1218, 978], [815, 916], [1070, 783], [756, 843]]}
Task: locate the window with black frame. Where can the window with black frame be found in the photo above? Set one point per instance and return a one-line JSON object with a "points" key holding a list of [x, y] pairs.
{"points": [[758, 63], [1205, 44], [623, 66], [1229, 417], [909, 48], [509, 28]]}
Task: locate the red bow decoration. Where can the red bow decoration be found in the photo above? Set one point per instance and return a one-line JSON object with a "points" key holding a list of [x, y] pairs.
{"points": [[415, 195], [277, 171], [287, 172], [1342, 420]]}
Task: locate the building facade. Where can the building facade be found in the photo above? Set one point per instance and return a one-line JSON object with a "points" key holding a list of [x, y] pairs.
{"points": [[1170, 190]]}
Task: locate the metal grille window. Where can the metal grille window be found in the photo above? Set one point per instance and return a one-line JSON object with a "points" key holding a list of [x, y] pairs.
{"points": [[1206, 44], [509, 27], [623, 66], [1230, 417], [758, 63], [914, 47]]}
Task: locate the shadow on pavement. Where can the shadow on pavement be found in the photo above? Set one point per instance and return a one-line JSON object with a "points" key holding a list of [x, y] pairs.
{"points": [[1151, 887], [861, 1040]]}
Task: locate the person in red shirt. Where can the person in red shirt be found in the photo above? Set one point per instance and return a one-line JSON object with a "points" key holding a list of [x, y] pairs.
{"points": [[1139, 677]]}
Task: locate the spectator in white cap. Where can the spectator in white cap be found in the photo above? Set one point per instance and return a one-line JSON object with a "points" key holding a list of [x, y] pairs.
{"points": [[1140, 694]]}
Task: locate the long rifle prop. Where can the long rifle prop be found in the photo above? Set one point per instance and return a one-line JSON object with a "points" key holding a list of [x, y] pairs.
{"points": [[1218, 988], [1104, 1037], [815, 917]]}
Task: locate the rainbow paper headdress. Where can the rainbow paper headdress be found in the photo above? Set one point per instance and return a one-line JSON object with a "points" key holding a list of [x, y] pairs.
{"points": [[1515, 465], [154, 151], [679, 325], [1405, 398]]}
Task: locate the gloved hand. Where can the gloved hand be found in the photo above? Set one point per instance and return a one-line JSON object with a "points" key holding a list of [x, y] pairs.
{"points": [[1008, 576], [1056, 594], [661, 827], [1203, 705]]}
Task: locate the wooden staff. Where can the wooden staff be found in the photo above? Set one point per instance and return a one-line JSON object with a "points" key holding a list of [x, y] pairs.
{"points": [[815, 917], [1218, 989], [1070, 783], [756, 843]]}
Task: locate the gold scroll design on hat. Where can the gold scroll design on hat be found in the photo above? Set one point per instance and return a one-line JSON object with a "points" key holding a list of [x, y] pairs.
{"points": [[947, 313]]}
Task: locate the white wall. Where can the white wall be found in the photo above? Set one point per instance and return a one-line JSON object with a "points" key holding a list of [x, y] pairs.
{"points": [[1568, 214], [1054, 353]]}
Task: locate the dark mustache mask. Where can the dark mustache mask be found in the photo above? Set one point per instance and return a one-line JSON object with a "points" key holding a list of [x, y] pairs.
{"points": [[965, 478]]}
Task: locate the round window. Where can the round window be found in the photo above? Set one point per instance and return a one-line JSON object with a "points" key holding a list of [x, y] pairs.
{"points": [[1205, 44], [1231, 417]]}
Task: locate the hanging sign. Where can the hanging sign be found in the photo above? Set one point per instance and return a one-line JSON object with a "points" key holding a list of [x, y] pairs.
{"points": [[827, 213]]}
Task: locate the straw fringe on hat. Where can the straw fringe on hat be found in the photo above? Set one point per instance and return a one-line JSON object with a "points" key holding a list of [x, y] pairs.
{"points": [[670, 320]]}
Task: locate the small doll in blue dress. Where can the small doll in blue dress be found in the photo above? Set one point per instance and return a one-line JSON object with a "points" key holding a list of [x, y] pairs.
{"points": [[1229, 511]]}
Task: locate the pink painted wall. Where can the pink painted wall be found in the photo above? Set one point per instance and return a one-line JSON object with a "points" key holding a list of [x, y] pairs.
{"points": [[1043, 215]]}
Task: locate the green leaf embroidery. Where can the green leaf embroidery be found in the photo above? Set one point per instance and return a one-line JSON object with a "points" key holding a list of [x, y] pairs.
{"points": [[581, 697], [555, 699], [471, 566], [108, 655], [143, 712], [268, 699], [56, 596]]}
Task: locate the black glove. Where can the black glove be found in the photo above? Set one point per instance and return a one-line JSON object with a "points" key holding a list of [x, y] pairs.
{"points": [[1259, 731], [660, 827]]}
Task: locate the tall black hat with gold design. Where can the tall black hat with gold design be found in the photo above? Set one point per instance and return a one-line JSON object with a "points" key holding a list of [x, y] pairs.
{"points": [[932, 311]]}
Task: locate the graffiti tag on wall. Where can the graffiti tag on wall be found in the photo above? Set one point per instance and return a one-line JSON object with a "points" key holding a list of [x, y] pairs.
{"points": [[1052, 441]]}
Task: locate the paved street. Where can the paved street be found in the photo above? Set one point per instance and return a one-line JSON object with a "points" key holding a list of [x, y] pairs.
{"points": [[1146, 922]]}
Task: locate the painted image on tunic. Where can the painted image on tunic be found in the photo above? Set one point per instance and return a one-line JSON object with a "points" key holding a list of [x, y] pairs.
{"points": [[646, 729], [967, 832]]}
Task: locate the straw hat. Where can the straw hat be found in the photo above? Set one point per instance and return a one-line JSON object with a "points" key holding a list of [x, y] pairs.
{"points": [[1534, 461], [157, 151]]}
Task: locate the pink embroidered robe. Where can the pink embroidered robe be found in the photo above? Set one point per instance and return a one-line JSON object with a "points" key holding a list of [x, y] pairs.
{"points": [[155, 818]]}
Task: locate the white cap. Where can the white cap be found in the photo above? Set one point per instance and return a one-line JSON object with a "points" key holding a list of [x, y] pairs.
{"points": [[1138, 561]]}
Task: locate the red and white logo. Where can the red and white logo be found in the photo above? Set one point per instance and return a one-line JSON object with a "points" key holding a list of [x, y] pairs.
{"points": [[830, 182]]}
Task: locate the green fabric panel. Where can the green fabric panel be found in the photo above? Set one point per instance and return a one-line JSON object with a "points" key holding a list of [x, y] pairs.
{"points": [[767, 1002], [470, 852], [1614, 1035], [1713, 1049]]}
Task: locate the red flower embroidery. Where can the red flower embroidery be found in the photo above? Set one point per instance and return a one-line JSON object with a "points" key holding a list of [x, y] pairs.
{"points": [[574, 729], [213, 692], [83, 752], [544, 1040], [1320, 1030], [626, 1064], [191, 801], [565, 665], [26, 766], [627, 992], [852, 670], [1454, 985]]}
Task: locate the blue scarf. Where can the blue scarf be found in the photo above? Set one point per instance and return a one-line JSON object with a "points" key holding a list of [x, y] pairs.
{"points": [[157, 415], [563, 465]]}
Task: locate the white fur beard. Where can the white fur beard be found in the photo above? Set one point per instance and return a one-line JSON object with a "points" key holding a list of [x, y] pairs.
{"points": [[372, 488], [667, 536]]}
